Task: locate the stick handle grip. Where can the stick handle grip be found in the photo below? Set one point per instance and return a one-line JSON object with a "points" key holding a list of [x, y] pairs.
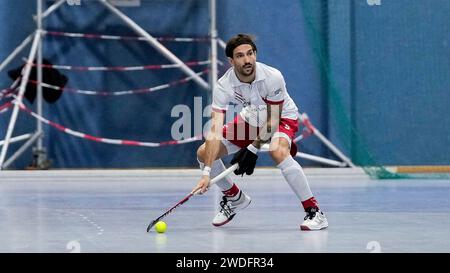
{"points": [[221, 175]]}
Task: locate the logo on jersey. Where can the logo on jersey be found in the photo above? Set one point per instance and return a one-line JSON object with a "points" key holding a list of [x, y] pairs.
{"points": [[277, 92], [287, 127], [238, 97]]}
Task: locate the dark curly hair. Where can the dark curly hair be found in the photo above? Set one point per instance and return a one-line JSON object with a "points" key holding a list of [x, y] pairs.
{"points": [[238, 40]]}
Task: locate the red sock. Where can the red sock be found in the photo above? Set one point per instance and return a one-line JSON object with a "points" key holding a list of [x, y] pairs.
{"points": [[231, 192], [311, 202]]}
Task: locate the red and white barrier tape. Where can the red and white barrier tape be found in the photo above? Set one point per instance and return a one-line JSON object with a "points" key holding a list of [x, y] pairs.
{"points": [[120, 93], [5, 107], [78, 134], [122, 68], [308, 125], [107, 140], [8, 91], [126, 38], [5, 92]]}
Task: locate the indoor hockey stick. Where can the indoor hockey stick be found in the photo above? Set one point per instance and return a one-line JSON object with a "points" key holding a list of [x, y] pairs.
{"points": [[213, 181]]}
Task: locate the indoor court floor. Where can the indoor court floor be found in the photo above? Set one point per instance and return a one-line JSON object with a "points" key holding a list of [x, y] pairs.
{"points": [[90, 211]]}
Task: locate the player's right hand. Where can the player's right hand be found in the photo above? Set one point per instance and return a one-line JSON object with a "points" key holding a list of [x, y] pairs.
{"points": [[203, 185]]}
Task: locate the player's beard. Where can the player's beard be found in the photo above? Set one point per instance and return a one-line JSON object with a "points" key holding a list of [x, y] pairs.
{"points": [[247, 69]]}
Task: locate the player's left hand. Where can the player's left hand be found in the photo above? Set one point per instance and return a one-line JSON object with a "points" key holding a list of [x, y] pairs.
{"points": [[246, 160]]}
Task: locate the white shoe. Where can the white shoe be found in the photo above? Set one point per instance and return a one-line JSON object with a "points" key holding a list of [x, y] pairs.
{"points": [[229, 208], [314, 220]]}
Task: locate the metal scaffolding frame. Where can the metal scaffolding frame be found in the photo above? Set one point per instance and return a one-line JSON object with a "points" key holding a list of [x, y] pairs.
{"points": [[36, 53]]}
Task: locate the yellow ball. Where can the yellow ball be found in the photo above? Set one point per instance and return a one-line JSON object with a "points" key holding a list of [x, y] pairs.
{"points": [[160, 227]]}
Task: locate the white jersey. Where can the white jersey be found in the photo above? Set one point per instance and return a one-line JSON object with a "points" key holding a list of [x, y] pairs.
{"points": [[268, 87]]}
